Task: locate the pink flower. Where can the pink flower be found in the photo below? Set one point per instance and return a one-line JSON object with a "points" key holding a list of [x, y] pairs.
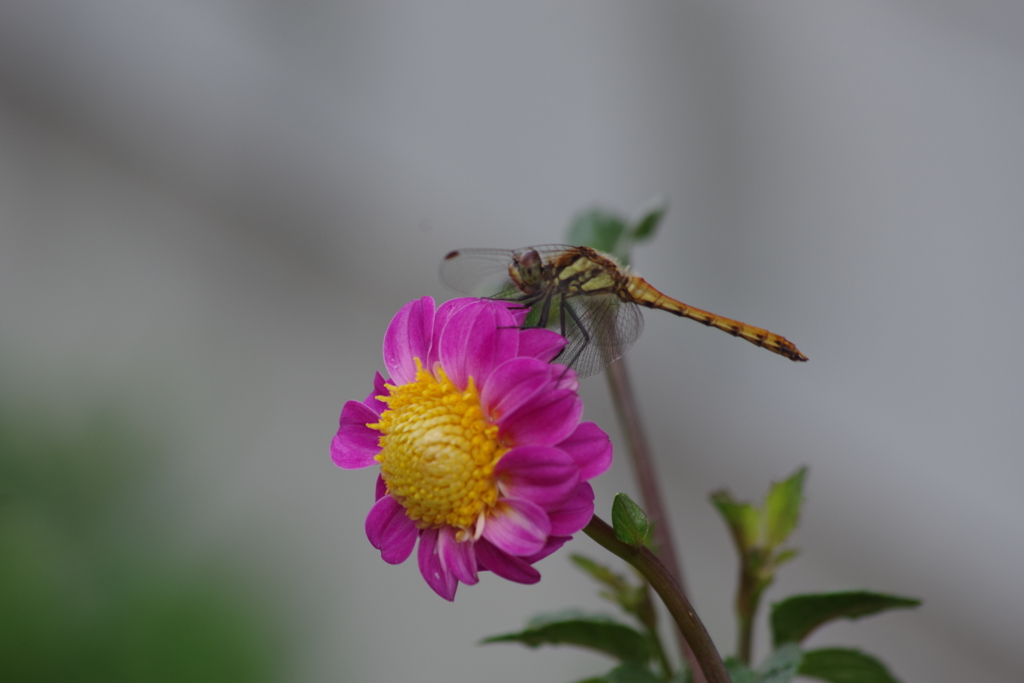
{"points": [[483, 456]]}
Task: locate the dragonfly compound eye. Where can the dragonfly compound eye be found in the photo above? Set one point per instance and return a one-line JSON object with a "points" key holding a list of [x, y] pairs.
{"points": [[530, 265]]}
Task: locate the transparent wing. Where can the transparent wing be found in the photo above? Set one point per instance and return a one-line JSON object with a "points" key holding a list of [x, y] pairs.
{"points": [[611, 325], [600, 328], [550, 251], [479, 272], [484, 272]]}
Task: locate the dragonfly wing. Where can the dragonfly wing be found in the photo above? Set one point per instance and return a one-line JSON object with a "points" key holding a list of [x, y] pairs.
{"points": [[484, 272], [479, 272], [611, 327]]}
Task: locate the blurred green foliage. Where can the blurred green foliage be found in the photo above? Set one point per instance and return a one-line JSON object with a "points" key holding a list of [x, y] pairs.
{"points": [[89, 590], [612, 233]]}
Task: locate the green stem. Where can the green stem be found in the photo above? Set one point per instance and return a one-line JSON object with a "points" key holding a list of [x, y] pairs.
{"points": [[748, 597], [708, 662]]}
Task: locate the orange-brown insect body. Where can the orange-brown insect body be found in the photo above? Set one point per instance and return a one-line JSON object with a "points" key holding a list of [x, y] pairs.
{"points": [[587, 296], [585, 271], [644, 294]]}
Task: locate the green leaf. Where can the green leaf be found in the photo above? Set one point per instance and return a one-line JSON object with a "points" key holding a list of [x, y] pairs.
{"points": [[632, 599], [601, 230], [738, 671], [781, 665], [631, 672], [743, 519], [629, 521], [794, 618], [838, 665], [646, 226], [599, 633], [599, 572], [784, 557], [782, 508]]}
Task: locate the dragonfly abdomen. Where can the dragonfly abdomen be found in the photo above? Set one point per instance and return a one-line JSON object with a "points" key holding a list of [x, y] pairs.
{"points": [[644, 294]]}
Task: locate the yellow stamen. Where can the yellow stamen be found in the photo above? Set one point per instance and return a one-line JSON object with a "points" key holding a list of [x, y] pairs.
{"points": [[438, 452]]}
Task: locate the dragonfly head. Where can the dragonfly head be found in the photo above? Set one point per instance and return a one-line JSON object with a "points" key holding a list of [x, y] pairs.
{"points": [[527, 269]]}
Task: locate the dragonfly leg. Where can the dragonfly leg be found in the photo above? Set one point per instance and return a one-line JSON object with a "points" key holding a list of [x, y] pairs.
{"points": [[545, 313], [525, 301], [565, 307]]}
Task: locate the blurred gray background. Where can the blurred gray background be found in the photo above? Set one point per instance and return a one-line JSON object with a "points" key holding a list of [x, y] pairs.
{"points": [[209, 212]]}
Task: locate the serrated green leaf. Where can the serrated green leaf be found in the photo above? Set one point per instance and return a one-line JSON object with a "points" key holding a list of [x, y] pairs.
{"points": [[796, 617], [839, 665], [595, 632], [629, 521], [738, 671], [782, 508], [781, 665], [743, 519], [601, 230], [646, 226]]}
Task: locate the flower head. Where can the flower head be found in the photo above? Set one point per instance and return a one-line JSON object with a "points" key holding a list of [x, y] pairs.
{"points": [[478, 436]]}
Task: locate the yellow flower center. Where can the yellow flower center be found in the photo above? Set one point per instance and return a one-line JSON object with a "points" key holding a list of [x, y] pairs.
{"points": [[438, 452]]}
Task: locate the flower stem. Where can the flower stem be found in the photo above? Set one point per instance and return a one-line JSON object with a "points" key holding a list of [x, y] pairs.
{"points": [[647, 479], [706, 664]]}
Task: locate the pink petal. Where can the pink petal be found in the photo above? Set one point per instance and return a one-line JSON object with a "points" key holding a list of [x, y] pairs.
{"points": [[518, 311], [548, 419], [379, 389], [475, 340], [517, 526], [443, 314], [590, 448], [457, 558], [504, 565], [564, 378], [381, 489], [541, 344], [513, 383], [437, 577], [408, 337], [541, 474], [390, 531], [575, 514], [553, 544], [355, 444]]}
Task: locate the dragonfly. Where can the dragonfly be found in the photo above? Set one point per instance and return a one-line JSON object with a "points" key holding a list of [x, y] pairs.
{"points": [[586, 296]]}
